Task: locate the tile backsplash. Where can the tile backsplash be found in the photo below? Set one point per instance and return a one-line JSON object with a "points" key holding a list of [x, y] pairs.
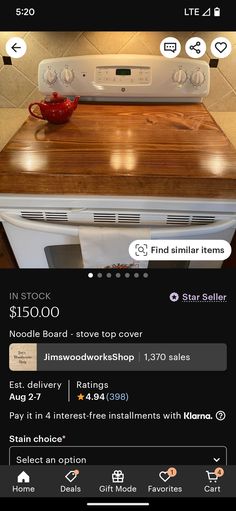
{"points": [[18, 82]]}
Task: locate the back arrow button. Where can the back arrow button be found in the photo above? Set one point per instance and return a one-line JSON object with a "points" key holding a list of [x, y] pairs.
{"points": [[16, 47]]}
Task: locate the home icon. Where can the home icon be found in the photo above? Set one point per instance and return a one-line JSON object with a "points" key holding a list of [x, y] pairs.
{"points": [[23, 478]]}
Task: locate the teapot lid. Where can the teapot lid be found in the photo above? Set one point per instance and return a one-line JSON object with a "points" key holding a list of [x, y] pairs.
{"points": [[55, 98]]}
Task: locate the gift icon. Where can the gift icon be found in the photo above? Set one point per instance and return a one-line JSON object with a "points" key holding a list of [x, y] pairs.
{"points": [[118, 476]]}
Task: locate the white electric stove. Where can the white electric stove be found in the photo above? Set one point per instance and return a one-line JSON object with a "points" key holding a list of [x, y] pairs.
{"points": [[49, 224]]}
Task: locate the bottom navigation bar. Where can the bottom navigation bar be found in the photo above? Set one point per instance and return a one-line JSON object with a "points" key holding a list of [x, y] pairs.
{"points": [[118, 482]]}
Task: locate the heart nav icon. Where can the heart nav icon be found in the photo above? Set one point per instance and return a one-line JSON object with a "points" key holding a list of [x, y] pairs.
{"points": [[221, 46], [164, 476]]}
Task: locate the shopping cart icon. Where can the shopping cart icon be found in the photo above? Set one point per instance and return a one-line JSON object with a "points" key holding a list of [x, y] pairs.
{"points": [[212, 476]]}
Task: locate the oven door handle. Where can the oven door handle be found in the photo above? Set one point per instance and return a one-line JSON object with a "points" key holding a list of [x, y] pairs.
{"points": [[73, 230]]}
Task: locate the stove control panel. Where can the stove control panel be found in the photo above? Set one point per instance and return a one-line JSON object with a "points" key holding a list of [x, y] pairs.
{"points": [[126, 77], [123, 75]]}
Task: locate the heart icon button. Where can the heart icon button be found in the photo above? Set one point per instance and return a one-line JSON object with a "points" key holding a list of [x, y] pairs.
{"points": [[221, 46], [164, 476]]}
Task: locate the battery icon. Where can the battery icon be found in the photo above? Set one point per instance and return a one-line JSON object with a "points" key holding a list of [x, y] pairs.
{"points": [[217, 11]]}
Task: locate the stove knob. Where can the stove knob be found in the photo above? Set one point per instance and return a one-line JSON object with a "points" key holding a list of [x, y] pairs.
{"points": [[50, 76], [67, 75], [180, 77], [197, 78]]}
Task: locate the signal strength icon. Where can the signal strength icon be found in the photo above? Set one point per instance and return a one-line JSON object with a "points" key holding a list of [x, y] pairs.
{"points": [[207, 12]]}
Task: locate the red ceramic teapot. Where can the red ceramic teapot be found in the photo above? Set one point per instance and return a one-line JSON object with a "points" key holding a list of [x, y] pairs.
{"points": [[56, 109]]}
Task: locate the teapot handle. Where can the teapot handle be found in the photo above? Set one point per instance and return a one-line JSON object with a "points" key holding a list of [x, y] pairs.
{"points": [[32, 113]]}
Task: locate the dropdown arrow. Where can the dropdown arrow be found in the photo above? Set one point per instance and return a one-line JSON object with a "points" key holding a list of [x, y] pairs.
{"points": [[216, 459]]}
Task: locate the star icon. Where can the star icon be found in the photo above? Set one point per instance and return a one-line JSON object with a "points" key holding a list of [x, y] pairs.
{"points": [[80, 397], [174, 297]]}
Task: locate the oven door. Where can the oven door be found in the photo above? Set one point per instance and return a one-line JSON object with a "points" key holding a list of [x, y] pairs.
{"points": [[47, 245]]}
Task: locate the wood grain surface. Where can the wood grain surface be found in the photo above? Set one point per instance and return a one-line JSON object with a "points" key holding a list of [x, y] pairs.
{"points": [[7, 259], [164, 150]]}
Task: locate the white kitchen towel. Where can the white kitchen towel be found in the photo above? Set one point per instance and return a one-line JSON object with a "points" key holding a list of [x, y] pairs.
{"points": [[108, 247]]}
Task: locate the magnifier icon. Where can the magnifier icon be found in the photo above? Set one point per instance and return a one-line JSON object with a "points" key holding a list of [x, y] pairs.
{"points": [[140, 249]]}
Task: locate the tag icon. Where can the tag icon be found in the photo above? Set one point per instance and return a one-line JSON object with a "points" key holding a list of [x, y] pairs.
{"points": [[71, 476]]}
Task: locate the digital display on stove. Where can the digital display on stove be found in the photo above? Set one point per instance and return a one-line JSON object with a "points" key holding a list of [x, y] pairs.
{"points": [[123, 72]]}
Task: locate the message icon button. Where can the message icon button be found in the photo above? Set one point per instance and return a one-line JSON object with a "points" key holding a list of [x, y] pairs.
{"points": [[170, 47]]}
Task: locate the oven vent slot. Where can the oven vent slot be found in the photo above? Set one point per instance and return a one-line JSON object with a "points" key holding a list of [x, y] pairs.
{"points": [[116, 218], [32, 215], [45, 216], [126, 218], [190, 220], [56, 216], [178, 219], [202, 220], [104, 218]]}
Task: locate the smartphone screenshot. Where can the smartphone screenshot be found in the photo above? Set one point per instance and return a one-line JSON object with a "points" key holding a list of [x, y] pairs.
{"points": [[118, 255]]}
